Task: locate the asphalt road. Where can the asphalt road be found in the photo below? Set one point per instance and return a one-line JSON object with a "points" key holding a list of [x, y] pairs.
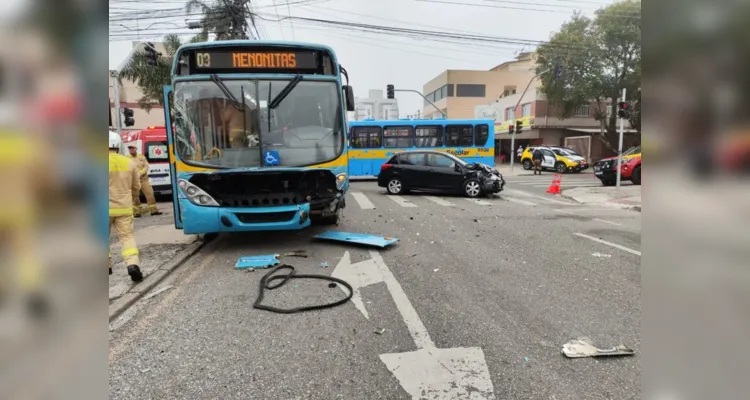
{"points": [[538, 184], [507, 275]]}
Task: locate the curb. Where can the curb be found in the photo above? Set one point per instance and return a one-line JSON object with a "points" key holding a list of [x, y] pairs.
{"points": [[136, 292]]}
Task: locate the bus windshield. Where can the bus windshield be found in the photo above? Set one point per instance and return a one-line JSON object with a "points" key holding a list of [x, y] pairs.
{"points": [[303, 128]]}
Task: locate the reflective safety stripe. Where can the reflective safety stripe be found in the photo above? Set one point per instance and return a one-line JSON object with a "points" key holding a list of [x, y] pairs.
{"points": [[120, 211], [129, 252]]}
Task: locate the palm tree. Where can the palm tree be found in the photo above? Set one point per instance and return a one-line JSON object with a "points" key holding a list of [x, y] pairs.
{"points": [[228, 19], [151, 79]]}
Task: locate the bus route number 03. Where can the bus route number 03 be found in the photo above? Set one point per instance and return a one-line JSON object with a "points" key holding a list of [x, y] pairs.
{"points": [[203, 60]]}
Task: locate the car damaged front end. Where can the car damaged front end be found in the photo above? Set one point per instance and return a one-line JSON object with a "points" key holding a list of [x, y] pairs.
{"points": [[489, 178]]}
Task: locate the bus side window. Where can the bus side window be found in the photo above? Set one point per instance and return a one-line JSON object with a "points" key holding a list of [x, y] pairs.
{"points": [[481, 134], [429, 136], [459, 135], [398, 137], [366, 137]]}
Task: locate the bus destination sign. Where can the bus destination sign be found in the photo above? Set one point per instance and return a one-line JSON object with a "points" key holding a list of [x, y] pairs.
{"points": [[255, 60]]}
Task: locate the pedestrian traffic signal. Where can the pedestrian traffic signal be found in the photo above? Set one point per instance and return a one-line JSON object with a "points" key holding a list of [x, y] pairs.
{"points": [[389, 91], [152, 56], [623, 110], [128, 113], [519, 125], [510, 129]]}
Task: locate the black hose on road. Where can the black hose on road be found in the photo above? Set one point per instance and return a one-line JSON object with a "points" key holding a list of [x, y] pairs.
{"points": [[265, 283]]}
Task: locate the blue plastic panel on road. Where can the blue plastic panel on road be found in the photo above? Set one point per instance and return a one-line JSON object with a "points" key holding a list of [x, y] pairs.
{"points": [[262, 261], [359, 238]]}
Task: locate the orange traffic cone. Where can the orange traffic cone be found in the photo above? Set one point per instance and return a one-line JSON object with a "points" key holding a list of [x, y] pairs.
{"points": [[554, 188]]}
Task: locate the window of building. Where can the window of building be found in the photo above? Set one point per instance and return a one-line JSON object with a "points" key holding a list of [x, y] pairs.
{"points": [[526, 109], [398, 136], [459, 135], [582, 111], [429, 136], [481, 134], [510, 114], [470, 90], [366, 137]]}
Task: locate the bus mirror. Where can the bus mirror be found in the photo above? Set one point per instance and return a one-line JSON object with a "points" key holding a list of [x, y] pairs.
{"points": [[349, 94]]}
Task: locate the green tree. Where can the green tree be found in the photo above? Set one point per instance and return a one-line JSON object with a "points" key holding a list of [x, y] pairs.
{"points": [[592, 60], [151, 79], [228, 19]]}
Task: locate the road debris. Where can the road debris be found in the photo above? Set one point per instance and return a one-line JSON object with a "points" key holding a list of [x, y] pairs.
{"points": [[260, 261], [436, 270], [324, 264], [380, 331], [584, 347], [332, 285], [597, 254], [158, 292], [358, 238], [266, 283], [296, 253]]}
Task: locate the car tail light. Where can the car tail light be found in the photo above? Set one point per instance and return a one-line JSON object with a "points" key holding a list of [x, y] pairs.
{"points": [[385, 167]]}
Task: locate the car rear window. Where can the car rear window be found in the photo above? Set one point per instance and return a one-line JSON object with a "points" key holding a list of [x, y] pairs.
{"points": [[157, 152]]}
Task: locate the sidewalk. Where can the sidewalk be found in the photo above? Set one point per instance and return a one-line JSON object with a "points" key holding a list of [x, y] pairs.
{"points": [[158, 243], [518, 170], [628, 197]]}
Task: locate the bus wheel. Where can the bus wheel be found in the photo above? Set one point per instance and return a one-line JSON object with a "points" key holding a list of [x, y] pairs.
{"points": [[527, 164], [395, 186]]}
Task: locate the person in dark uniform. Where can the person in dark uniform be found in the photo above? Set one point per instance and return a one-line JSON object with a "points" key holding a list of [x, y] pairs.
{"points": [[537, 157]]}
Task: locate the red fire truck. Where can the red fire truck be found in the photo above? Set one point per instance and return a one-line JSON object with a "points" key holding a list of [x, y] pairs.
{"points": [[152, 143]]}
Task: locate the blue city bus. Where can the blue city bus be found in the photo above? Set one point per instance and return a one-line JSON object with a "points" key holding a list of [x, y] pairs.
{"points": [[373, 142], [257, 136]]}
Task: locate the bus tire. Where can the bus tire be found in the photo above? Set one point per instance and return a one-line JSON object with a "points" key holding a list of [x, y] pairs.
{"points": [[395, 186], [526, 164]]}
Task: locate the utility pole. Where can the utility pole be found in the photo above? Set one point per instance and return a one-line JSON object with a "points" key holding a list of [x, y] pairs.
{"points": [[513, 136], [116, 92], [619, 146]]}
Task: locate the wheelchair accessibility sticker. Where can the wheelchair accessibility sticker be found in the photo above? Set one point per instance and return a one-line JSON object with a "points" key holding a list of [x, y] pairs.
{"points": [[271, 157]]}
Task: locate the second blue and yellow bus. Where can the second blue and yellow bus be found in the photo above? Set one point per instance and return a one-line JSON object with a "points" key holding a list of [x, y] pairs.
{"points": [[372, 142], [257, 135]]}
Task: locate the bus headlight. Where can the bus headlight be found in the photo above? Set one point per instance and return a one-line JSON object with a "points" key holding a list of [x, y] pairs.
{"points": [[196, 195], [340, 181]]}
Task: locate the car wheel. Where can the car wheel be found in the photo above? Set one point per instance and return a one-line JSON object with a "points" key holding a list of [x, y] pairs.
{"points": [[472, 188], [608, 182], [395, 186], [636, 176], [560, 168], [526, 164]]}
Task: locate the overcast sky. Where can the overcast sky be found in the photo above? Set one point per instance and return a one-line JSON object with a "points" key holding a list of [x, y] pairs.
{"points": [[373, 60]]}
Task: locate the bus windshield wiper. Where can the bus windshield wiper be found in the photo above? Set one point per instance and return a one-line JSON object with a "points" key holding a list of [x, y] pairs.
{"points": [[227, 92], [284, 92]]}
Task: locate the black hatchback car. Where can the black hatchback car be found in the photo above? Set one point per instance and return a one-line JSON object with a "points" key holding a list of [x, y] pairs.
{"points": [[436, 171]]}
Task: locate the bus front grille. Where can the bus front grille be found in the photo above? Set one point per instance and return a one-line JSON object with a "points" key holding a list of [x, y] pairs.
{"points": [[259, 218]]}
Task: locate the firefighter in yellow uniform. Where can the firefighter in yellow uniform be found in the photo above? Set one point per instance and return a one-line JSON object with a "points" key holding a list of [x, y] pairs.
{"points": [[148, 191], [124, 180]]}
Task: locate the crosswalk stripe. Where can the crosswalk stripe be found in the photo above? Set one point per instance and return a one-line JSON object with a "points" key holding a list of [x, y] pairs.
{"points": [[519, 201], [439, 201], [402, 202], [480, 202], [363, 201]]}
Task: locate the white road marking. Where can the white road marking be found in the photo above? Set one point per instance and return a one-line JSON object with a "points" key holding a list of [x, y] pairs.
{"points": [[358, 275], [585, 216], [430, 372], [480, 202], [438, 200], [402, 201], [519, 201], [363, 201], [547, 199], [615, 245]]}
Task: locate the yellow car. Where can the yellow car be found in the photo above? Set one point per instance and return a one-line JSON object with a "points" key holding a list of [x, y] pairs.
{"points": [[558, 159]]}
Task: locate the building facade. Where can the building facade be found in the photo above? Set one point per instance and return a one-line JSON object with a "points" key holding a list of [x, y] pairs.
{"points": [[129, 95], [375, 106]]}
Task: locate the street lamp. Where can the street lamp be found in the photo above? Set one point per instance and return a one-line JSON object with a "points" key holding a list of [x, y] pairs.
{"points": [[513, 136]]}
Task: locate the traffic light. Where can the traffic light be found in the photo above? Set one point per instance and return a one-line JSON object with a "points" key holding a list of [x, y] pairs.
{"points": [[519, 125], [623, 110], [389, 91], [128, 113], [152, 56], [510, 129]]}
